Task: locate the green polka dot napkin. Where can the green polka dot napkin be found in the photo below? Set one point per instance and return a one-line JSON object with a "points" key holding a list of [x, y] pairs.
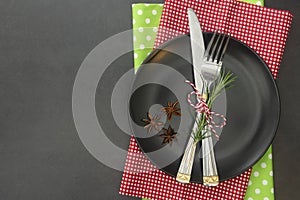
{"points": [[145, 20]]}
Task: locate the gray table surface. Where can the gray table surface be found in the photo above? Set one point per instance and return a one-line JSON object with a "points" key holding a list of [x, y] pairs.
{"points": [[42, 44]]}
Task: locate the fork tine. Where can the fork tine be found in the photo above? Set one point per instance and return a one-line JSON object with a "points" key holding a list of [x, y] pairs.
{"points": [[224, 48], [217, 59], [209, 45], [211, 57]]}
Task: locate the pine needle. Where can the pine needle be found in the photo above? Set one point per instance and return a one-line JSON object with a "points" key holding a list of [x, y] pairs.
{"points": [[224, 82]]}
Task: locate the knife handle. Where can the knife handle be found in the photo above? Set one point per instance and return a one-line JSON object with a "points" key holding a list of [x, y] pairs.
{"points": [[210, 172], [186, 165]]}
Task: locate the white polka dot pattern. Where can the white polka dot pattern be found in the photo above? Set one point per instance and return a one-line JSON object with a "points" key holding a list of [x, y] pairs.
{"points": [[263, 29], [143, 179]]}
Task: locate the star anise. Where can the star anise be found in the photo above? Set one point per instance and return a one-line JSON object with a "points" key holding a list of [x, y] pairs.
{"points": [[168, 135], [152, 122], [171, 109]]}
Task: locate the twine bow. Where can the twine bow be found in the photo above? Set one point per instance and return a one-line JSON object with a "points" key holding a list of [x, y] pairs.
{"points": [[202, 107]]}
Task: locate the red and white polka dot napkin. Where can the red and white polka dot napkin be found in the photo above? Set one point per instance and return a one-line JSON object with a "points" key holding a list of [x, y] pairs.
{"points": [[263, 29], [142, 179]]}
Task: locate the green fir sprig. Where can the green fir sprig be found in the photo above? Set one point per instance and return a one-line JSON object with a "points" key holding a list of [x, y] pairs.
{"points": [[224, 82]]}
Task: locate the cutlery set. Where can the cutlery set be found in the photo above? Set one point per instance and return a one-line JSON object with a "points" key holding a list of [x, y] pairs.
{"points": [[207, 66]]}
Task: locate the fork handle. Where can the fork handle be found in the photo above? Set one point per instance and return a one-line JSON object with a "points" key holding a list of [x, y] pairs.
{"points": [[210, 172]]}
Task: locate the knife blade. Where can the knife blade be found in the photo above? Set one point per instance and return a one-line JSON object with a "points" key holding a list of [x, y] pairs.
{"points": [[197, 45]]}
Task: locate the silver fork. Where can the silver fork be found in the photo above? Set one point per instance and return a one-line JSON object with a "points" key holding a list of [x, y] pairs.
{"points": [[210, 71]]}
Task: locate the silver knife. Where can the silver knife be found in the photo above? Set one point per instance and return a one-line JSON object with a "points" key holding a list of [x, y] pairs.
{"points": [[209, 166]]}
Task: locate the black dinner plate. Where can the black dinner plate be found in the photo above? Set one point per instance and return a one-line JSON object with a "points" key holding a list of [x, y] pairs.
{"points": [[252, 108]]}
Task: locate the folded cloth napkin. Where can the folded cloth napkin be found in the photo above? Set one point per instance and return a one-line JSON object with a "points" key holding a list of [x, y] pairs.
{"points": [[138, 184], [263, 29]]}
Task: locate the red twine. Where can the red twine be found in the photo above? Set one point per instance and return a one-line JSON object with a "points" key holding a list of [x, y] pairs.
{"points": [[202, 107]]}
